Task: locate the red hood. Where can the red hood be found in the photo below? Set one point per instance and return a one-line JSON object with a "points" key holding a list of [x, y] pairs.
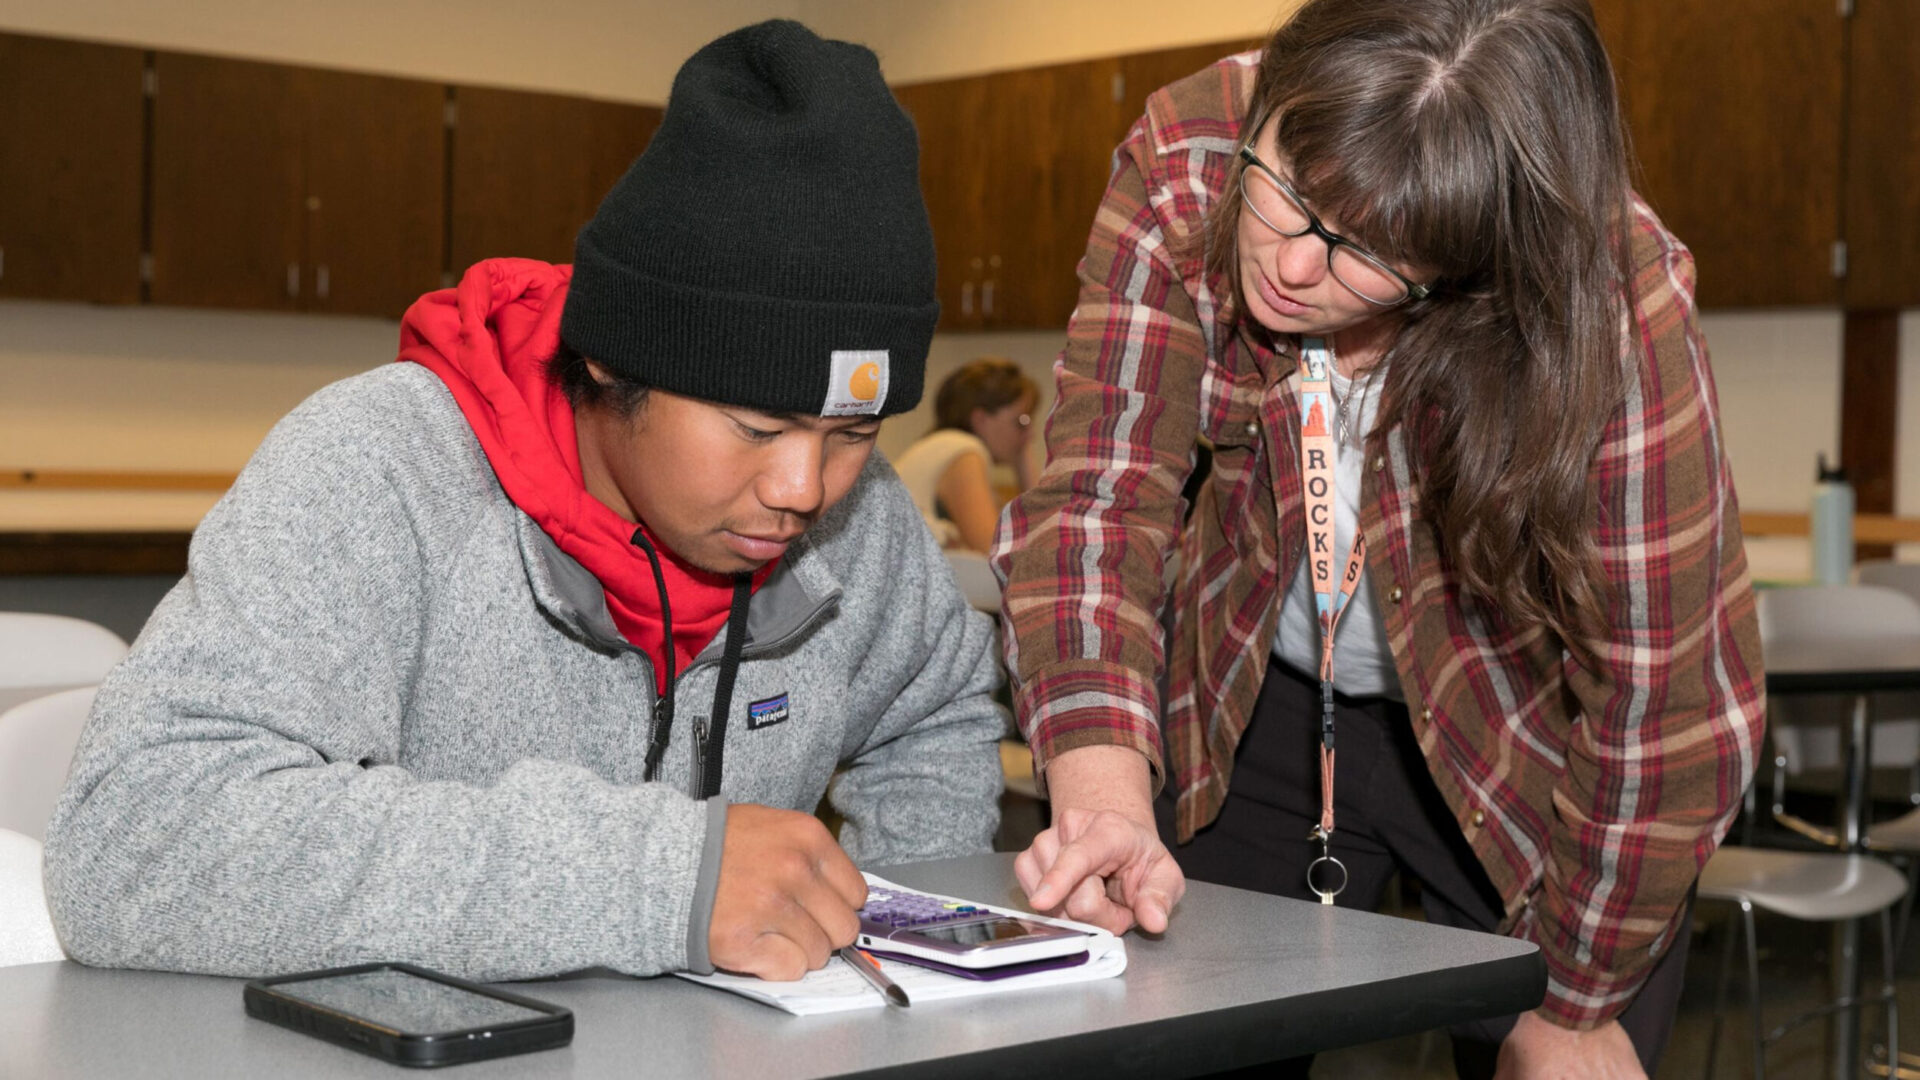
{"points": [[489, 340]]}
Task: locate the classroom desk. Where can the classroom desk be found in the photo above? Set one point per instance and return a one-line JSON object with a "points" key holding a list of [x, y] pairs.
{"points": [[1240, 978], [1860, 669]]}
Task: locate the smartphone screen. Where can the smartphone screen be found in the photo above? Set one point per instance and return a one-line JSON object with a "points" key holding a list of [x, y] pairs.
{"points": [[406, 1003]]}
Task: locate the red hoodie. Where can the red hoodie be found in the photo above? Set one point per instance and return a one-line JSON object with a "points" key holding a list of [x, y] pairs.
{"points": [[489, 340]]}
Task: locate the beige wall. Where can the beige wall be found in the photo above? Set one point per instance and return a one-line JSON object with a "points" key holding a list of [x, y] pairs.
{"points": [[920, 40], [626, 50], [173, 389]]}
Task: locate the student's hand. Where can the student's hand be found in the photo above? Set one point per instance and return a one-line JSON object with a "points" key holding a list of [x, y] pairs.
{"points": [[788, 896], [1538, 1049], [1102, 862]]}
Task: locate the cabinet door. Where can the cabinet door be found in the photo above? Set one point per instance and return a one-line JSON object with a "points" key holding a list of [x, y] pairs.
{"points": [[1734, 112], [1883, 156], [1053, 139], [71, 137], [616, 135], [530, 169], [228, 184], [375, 191], [954, 166]]}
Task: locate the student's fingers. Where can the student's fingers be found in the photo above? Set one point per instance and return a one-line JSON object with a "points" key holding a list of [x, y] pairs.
{"points": [[826, 907], [839, 874], [798, 922], [782, 877], [774, 957], [751, 940]]}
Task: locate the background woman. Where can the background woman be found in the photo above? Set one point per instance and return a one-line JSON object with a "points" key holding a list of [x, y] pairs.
{"points": [[1391, 270], [983, 416]]}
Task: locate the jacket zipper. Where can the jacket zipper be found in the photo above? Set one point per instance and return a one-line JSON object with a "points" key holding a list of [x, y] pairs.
{"points": [[701, 726]]}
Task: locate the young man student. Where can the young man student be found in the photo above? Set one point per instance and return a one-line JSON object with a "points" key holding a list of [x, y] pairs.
{"points": [[530, 653]]}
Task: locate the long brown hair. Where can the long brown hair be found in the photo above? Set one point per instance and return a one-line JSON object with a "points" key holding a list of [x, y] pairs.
{"points": [[1480, 139]]}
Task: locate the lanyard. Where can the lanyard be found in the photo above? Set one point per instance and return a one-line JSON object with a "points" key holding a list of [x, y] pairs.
{"points": [[1329, 600]]}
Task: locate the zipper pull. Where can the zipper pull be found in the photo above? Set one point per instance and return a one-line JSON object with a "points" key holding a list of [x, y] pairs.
{"points": [[657, 736], [699, 756]]}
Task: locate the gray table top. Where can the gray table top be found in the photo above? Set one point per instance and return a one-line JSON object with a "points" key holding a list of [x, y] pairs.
{"points": [[1238, 979], [1850, 666]]}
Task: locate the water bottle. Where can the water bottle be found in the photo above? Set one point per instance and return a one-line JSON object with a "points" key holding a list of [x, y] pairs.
{"points": [[1832, 521]]}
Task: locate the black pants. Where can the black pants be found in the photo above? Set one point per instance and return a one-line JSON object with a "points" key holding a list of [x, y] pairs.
{"points": [[1389, 816]]}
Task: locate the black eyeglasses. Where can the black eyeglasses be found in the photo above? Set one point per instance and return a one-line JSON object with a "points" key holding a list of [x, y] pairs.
{"points": [[1280, 208]]}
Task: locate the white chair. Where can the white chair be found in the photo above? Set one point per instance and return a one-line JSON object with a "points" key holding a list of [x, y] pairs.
{"points": [[36, 747], [26, 930], [1812, 886], [1904, 706], [1806, 729], [40, 654]]}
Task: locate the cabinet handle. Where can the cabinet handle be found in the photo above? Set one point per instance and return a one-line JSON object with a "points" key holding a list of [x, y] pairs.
{"points": [[320, 281], [966, 298], [3, 262], [293, 279], [986, 297]]}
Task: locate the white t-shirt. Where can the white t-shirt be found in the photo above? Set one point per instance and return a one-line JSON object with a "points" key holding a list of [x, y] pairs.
{"points": [[925, 462], [1362, 664]]}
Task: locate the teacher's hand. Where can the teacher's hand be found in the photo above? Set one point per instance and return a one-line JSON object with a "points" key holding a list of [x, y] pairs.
{"points": [[1102, 862], [1539, 1049]]}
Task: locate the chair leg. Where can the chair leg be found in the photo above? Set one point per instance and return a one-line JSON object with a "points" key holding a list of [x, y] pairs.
{"points": [[1720, 993], [1753, 993], [1906, 902], [1892, 991], [1750, 809]]}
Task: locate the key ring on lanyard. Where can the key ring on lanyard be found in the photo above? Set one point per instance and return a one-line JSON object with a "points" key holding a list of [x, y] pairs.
{"points": [[1316, 468]]}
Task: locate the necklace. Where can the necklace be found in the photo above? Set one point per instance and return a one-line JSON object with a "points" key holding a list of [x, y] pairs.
{"points": [[1343, 403]]}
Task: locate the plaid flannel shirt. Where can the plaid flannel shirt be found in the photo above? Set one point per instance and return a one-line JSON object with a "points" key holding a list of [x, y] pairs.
{"points": [[1591, 795]]}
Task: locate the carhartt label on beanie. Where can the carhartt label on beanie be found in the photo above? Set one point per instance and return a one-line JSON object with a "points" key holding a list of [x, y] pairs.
{"points": [[771, 247], [859, 383]]}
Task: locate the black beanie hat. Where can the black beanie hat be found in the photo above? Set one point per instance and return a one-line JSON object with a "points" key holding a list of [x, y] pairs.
{"points": [[770, 248]]}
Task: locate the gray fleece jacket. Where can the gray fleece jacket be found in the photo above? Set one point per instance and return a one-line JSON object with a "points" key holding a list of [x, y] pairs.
{"points": [[384, 717]]}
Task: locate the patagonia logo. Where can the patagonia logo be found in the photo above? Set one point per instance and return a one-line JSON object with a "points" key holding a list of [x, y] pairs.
{"points": [[766, 713], [858, 384]]}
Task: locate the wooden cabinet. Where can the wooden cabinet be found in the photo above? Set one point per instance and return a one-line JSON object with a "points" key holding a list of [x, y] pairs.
{"points": [[1734, 112], [1013, 166], [1882, 208], [953, 177], [530, 169], [1765, 133], [71, 119], [1054, 130], [289, 188], [228, 181], [376, 202]]}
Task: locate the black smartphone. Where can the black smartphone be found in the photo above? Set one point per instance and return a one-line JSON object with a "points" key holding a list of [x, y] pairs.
{"points": [[409, 1015]]}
